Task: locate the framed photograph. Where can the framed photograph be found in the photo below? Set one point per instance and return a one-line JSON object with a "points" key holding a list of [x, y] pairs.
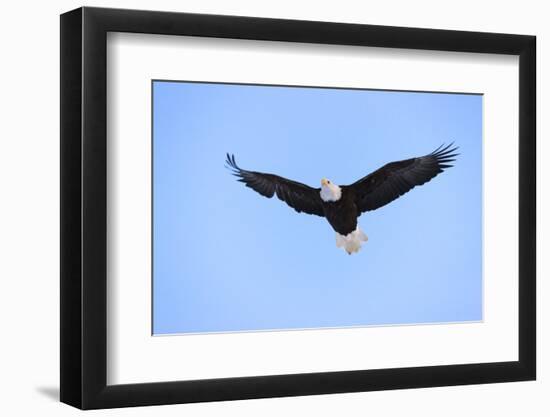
{"points": [[259, 208]]}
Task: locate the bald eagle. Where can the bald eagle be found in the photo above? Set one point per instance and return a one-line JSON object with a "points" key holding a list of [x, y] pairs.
{"points": [[341, 205]]}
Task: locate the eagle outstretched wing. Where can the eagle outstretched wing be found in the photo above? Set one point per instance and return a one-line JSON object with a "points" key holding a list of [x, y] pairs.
{"points": [[300, 197], [396, 178]]}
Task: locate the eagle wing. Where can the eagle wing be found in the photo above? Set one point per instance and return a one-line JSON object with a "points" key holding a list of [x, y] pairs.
{"points": [[396, 178], [300, 197]]}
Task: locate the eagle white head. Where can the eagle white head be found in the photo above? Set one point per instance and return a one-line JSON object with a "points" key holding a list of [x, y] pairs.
{"points": [[330, 191]]}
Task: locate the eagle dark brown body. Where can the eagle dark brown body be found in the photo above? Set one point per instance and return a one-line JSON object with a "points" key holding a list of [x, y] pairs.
{"points": [[342, 214]]}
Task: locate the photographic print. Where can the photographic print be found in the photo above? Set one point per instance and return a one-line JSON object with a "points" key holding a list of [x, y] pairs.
{"points": [[297, 207], [354, 203]]}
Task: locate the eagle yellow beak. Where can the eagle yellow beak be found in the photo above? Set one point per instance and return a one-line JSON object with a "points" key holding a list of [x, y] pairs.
{"points": [[324, 181]]}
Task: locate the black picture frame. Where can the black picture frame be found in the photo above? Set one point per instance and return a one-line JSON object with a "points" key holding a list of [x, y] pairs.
{"points": [[84, 197]]}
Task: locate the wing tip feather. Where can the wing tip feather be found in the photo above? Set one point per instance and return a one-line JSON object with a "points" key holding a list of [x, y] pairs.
{"points": [[445, 154], [231, 165]]}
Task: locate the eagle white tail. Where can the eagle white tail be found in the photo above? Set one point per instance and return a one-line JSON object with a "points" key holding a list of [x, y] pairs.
{"points": [[352, 242]]}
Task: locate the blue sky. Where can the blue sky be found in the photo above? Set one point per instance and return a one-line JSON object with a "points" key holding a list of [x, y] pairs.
{"points": [[227, 259]]}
